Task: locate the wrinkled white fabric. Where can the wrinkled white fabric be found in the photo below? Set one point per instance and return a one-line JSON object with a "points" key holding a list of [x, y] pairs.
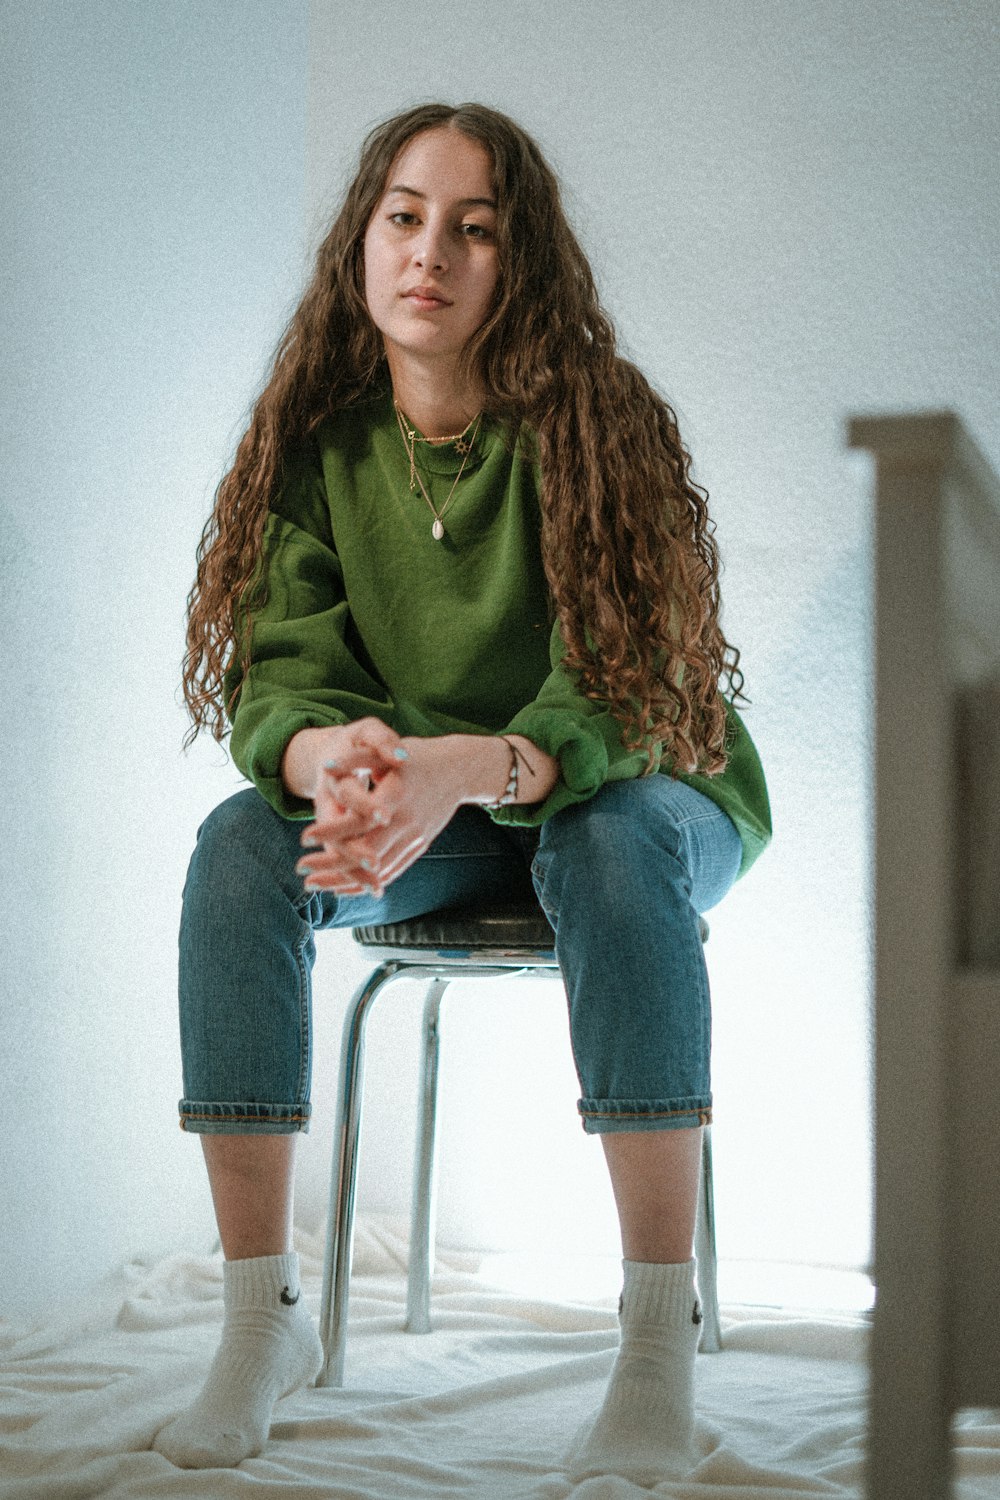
{"points": [[482, 1407]]}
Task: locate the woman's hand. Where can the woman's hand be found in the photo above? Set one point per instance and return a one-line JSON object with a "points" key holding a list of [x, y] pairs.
{"points": [[320, 765], [381, 805], [372, 822]]}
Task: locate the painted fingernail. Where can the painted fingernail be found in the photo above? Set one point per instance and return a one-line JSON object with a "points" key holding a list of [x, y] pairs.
{"points": [[366, 864], [331, 765], [304, 870], [379, 819], [401, 753]]}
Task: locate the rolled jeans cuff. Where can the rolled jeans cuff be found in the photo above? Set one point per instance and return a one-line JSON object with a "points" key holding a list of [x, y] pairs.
{"points": [[605, 1116], [211, 1118]]}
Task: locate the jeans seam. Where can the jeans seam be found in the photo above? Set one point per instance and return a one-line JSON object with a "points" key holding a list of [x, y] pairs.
{"points": [[305, 1050], [190, 1114], [643, 1114], [538, 875], [469, 854]]}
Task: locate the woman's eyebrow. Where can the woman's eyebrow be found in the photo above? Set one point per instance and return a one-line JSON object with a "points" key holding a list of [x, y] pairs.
{"points": [[400, 187]]}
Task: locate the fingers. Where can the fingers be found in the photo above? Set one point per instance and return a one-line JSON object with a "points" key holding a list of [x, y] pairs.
{"points": [[399, 858], [357, 807], [352, 812], [364, 792], [405, 859], [353, 839], [334, 824], [325, 871], [354, 866], [379, 736], [352, 788], [347, 842], [369, 745], [359, 793]]}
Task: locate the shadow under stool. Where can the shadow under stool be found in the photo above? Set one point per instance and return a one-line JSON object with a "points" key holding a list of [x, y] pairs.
{"points": [[460, 943]]}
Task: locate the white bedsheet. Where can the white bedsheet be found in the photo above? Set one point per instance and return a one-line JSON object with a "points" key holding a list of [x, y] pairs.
{"points": [[481, 1407]]}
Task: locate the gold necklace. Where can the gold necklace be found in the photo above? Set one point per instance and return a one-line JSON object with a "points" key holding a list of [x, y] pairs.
{"points": [[410, 440], [454, 437]]}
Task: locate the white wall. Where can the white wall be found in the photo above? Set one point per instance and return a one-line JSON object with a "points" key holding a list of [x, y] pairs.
{"points": [[152, 237], [792, 213]]}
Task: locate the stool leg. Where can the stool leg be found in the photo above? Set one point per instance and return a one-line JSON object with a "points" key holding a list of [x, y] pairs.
{"points": [[424, 1212], [340, 1228], [704, 1245]]}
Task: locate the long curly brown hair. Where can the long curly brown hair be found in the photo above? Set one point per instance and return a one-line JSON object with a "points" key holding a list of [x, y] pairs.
{"points": [[627, 542]]}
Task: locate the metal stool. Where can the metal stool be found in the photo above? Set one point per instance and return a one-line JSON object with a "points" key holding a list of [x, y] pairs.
{"points": [[474, 942]]}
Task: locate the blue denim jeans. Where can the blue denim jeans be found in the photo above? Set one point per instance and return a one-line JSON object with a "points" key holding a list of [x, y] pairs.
{"points": [[621, 877]]}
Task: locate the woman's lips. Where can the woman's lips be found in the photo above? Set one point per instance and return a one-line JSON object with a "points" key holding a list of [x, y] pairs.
{"points": [[427, 301]]}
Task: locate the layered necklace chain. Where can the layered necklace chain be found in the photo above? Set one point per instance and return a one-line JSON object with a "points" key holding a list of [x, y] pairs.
{"points": [[463, 445]]}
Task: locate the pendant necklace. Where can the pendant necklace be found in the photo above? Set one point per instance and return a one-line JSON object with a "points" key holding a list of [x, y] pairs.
{"points": [[462, 444]]}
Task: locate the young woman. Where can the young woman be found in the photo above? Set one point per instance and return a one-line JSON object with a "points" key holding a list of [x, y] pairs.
{"points": [[459, 600]]}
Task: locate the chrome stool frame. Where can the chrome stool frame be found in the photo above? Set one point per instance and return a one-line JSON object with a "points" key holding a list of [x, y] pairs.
{"points": [[464, 943]]}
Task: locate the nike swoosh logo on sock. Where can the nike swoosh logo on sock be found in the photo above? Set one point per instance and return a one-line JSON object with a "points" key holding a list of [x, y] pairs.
{"points": [[290, 1301]]}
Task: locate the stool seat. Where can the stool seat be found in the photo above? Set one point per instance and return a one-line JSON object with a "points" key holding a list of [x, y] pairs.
{"points": [[517, 927]]}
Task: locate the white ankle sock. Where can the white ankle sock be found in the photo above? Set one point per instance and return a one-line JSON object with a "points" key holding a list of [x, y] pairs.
{"points": [[645, 1429], [269, 1348]]}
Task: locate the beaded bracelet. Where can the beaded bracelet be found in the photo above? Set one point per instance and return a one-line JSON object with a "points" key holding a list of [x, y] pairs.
{"points": [[509, 793]]}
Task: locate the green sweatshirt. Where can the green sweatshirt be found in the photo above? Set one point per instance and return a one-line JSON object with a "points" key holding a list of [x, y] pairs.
{"points": [[367, 614]]}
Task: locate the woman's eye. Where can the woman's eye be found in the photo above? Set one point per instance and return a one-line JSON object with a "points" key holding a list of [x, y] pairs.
{"points": [[402, 218], [475, 231]]}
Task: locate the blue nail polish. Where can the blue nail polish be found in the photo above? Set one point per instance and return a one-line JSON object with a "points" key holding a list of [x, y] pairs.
{"points": [[366, 864], [331, 765], [401, 753]]}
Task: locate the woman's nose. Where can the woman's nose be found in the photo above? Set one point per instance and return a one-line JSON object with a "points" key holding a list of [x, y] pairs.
{"points": [[429, 252]]}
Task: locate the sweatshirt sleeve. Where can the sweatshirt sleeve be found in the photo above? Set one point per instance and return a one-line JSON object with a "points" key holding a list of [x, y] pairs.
{"points": [[305, 670], [581, 733], [586, 740]]}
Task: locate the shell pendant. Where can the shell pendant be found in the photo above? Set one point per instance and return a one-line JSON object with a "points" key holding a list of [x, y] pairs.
{"points": [[437, 530]]}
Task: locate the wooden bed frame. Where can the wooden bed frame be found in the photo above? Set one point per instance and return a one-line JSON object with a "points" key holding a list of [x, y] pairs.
{"points": [[936, 1335]]}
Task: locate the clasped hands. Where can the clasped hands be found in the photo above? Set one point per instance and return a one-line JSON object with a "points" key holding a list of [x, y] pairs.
{"points": [[379, 803], [381, 800]]}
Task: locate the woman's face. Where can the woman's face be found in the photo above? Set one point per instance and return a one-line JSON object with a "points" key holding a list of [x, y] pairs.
{"points": [[430, 249]]}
